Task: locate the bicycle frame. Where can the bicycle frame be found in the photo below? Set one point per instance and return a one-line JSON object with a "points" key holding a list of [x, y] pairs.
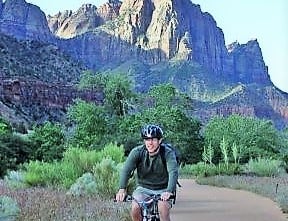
{"points": [[149, 208]]}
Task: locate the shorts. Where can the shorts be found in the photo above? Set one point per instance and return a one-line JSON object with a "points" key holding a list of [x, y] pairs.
{"points": [[140, 193]]}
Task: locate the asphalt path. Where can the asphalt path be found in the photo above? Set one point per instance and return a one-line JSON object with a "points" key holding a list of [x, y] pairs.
{"points": [[206, 203]]}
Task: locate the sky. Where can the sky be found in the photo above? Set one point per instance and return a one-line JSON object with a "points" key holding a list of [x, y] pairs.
{"points": [[240, 20]]}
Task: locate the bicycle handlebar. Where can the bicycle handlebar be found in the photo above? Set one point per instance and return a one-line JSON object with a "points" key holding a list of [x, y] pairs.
{"points": [[129, 198]]}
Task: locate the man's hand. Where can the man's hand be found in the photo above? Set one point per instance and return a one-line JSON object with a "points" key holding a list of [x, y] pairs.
{"points": [[166, 195], [120, 196]]}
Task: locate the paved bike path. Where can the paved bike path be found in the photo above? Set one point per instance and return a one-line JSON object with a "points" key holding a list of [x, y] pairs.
{"points": [[206, 203]]}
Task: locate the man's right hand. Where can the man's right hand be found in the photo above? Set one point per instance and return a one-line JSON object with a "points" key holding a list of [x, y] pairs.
{"points": [[120, 196]]}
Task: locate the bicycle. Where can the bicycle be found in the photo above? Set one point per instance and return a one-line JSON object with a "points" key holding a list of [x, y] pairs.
{"points": [[149, 207]]}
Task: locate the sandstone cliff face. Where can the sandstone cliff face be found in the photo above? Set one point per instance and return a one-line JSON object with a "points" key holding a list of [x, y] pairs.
{"points": [[248, 64], [163, 30], [69, 24], [149, 30], [37, 101], [24, 21], [155, 31]]}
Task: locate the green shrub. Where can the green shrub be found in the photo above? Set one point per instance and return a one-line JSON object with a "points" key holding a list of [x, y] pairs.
{"points": [[14, 150], [228, 169], [48, 142], [5, 127], [58, 173], [107, 177], [15, 179], [264, 167], [9, 209], [36, 173], [84, 186], [202, 169], [113, 151], [82, 159], [199, 169]]}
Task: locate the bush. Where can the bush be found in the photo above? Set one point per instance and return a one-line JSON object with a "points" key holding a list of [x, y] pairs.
{"points": [[113, 151], [58, 173], [9, 209], [199, 169], [82, 159], [15, 179], [107, 177], [48, 142], [264, 167], [202, 169], [228, 169], [14, 150], [84, 186]]}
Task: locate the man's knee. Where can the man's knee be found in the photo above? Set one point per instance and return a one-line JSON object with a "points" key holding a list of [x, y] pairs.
{"points": [[135, 211], [164, 210]]}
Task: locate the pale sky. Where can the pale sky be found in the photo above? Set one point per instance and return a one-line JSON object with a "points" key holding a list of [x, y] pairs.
{"points": [[240, 20]]}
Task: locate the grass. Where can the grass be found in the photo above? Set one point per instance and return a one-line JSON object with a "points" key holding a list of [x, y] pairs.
{"points": [[40, 203]]}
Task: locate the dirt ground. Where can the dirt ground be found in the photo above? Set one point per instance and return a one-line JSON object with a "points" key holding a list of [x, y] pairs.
{"points": [[204, 203]]}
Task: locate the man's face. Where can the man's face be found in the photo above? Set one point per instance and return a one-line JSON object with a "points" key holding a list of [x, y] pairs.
{"points": [[152, 144]]}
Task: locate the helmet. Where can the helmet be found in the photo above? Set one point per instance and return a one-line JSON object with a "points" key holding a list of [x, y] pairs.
{"points": [[151, 131]]}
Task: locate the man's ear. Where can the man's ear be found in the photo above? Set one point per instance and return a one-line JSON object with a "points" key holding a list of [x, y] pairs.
{"points": [[160, 140]]}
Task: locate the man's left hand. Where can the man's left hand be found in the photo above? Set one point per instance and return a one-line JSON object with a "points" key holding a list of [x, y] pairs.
{"points": [[166, 195]]}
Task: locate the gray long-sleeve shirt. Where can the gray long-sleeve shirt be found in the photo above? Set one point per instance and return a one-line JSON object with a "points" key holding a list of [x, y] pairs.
{"points": [[151, 172]]}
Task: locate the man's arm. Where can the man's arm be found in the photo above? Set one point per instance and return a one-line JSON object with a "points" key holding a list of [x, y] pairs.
{"points": [[129, 166], [172, 168]]}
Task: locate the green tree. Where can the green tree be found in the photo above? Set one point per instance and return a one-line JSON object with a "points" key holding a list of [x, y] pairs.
{"points": [[117, 89], [48, 142], [166, 95], [14, 150], [253, 136], [5, 127], [90, 124], [167, 111]]}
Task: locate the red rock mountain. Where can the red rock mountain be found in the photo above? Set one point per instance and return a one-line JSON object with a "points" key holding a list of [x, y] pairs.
{"points": [[172, 40]]}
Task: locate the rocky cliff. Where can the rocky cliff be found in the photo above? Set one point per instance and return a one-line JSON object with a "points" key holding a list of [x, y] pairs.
{"points": [[25, 101], [158, 35], [23, 20], [149, 30]]}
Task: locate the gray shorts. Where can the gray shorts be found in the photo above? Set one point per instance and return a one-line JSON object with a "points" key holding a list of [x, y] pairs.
{"points": [[140, 193]]}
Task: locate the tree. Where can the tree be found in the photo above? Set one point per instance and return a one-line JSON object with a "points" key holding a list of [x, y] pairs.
{"points": [[90, 124], [48, 142], [166, 110], [257, 137], [117, 89], [14, 150], [5, 127]]}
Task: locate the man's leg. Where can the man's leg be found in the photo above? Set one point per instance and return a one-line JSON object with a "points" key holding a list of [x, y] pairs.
{"points": [[136, 212], [139, 194], [164, 210]]}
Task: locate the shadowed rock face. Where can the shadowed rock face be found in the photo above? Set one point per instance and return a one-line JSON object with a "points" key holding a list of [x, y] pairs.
{"points": [[153, 32], [24, 21], [37, 101], [150, 30]]}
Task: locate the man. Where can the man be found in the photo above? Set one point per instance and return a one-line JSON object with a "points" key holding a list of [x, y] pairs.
{"points": [[153, 177]]}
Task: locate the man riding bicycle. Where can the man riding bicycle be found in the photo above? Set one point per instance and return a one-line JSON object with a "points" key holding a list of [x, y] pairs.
{"points": [[153, 177]]}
